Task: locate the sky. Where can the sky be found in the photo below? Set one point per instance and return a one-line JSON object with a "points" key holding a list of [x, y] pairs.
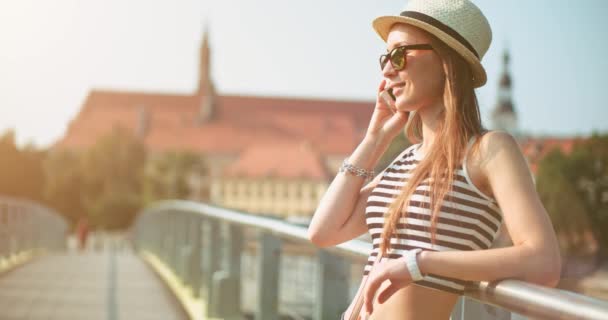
{"points": [[54, 52]]}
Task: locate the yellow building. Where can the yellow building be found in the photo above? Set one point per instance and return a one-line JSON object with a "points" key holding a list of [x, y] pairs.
{"points": [[283, 179]]}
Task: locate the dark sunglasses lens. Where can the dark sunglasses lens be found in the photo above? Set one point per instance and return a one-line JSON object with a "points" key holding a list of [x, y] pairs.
{"points": [[398, 58]]}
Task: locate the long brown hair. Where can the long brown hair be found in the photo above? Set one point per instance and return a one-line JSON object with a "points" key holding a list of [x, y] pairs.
{"points": [[459, 121]]}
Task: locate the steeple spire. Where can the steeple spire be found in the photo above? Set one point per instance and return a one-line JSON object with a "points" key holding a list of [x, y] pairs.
{"points": [[206, 90], [205, 62], [503, 116]]}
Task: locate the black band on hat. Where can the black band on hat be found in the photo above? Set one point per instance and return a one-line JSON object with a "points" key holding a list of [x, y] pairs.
{"points": [[441, 26]]}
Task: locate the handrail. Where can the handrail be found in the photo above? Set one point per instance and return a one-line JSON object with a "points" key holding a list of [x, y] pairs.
{"points": [[538, 301], [353, 248], [514, 295], [26, 226]]}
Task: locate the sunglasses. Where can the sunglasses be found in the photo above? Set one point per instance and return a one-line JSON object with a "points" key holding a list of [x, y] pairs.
{"points": [[397, 55]]}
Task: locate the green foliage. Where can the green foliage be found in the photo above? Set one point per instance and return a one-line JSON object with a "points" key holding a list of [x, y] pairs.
{"points": [[115, 209], [64, 183], [105, 183], [574, 188], [589, 172], [21, 170], [112, 175], [563, 204], [167, 175]]}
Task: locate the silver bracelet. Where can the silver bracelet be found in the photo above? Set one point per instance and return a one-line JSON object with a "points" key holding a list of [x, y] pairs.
{"points": [[360, 172]]}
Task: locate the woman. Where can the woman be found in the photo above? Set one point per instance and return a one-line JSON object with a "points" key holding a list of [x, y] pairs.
{"points": [[442, 201]]}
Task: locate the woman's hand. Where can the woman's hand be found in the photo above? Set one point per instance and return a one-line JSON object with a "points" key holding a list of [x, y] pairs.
{"points": [[393, 270], [385, 124]]}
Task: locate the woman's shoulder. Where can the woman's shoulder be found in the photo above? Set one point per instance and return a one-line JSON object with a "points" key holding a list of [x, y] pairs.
{"points": [[493, 142], [498, 149]]}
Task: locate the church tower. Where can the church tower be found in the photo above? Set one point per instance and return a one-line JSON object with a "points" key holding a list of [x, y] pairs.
{"points": [[206, 90], [503, 116]]}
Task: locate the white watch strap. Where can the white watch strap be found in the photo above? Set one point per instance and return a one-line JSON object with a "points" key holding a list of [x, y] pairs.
{"points": [[411, 262]]}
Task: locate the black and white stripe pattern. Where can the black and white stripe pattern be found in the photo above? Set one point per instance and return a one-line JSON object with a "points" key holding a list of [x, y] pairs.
{"points": [[468, 219]]}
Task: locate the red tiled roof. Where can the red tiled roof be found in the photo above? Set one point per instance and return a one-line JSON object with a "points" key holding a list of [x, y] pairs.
{"points": [[335, 127], [281, 158], [103, 110], [535, 149]]}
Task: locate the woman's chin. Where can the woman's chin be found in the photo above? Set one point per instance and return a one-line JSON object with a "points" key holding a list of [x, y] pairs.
{"points": [[404, 104], [402, 107]]}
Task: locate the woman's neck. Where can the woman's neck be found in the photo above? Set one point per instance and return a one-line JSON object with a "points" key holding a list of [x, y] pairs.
{"points": [[430, 125]]}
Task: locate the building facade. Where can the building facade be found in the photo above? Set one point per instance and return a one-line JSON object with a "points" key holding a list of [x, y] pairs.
{"points": [[240, 138]]}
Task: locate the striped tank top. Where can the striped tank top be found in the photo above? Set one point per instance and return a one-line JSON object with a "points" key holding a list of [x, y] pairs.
{"points": [[470, 221]]}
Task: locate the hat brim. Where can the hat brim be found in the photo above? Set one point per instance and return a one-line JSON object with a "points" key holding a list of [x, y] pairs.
{"points": [[383, 24]]}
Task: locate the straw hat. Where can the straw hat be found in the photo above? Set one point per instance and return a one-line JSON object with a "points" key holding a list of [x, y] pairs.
{"points": [[458, 23]]}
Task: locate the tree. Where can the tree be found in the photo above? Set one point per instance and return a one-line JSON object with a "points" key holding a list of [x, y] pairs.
{"points": [[589, 173], [561, 200], [167, 175], [112, 172], [63, 189], [21, 172], [574, 189]]}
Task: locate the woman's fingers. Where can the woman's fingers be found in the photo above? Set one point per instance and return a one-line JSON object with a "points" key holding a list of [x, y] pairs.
{"points": [[388, 292], [373, 283], [382, 85]]}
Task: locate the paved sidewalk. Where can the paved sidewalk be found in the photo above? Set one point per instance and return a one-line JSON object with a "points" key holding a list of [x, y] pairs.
{"points": [[87, 286]]}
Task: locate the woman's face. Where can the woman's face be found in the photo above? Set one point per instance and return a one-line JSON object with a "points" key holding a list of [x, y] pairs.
{"points": [[421, 82]]}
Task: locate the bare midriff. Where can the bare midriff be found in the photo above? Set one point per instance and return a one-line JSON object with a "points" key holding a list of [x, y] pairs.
{"points": [[412, 303]]}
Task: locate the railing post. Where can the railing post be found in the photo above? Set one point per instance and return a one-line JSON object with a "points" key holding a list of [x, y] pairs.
{"points": [[269, 260], [14, 228], [235, 249], [226, 302], [168, 229], [332, 284], [472, 309], [160, 235], [183, 247], [4, 235], [20, 229], [170, 239], [174, 254], [27, 230], [36, 229], [140, 236], [457, 311], [211, 259], [30, 234], [194, 264]]}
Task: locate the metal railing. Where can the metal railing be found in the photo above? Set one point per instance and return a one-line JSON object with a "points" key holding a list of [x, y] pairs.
{"points": [[188, 237], [27, 226]]}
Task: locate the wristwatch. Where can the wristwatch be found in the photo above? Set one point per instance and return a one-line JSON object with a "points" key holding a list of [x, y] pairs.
{"points": [[411, 261]]}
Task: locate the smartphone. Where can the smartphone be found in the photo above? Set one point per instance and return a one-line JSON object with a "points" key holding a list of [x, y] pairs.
{"points": [[390, 92], [389, 98]]}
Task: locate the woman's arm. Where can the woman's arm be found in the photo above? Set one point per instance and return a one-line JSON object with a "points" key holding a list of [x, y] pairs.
{"points": [[340, 215], [534, 256]]}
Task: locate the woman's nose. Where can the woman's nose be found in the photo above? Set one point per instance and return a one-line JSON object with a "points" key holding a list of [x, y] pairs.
{"points": [[388, 70]]}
